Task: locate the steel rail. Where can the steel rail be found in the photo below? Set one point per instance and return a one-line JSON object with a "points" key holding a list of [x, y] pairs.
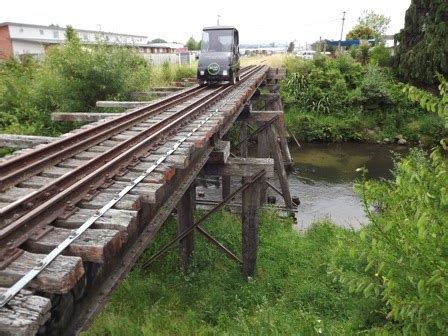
{"points": [[29, 201], [19, 230], [14, 170], [23, 205], [17, 169], [22, 283]]}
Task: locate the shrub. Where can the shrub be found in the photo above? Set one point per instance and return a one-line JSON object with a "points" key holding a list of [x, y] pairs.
{"points": [[74, 78], [71, 78], [317, 86], [404, 249], [380, 55], [376, 90]]}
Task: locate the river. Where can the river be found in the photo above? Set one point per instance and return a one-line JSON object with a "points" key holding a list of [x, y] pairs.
{"points": [[323, 178]]}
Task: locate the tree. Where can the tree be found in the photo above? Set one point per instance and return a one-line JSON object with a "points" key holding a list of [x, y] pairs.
{"points": [[422, 45], [158, 40], [290, 47], [361, 32], [192, 44], [363, 53], [370, 26], [377, 22], [70, 34]]}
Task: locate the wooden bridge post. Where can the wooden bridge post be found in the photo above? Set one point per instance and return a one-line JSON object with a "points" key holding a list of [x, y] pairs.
{"points": [[225, 180], [280, 166], [250, 218], [243, 135], [263, 152], [185, 213]]}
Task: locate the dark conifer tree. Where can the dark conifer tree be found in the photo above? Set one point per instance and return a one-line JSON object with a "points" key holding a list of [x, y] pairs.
{"points": [[422, 46]]}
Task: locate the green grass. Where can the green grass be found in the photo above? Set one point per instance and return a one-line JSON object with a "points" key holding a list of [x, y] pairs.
{"points": [[292, 292]]}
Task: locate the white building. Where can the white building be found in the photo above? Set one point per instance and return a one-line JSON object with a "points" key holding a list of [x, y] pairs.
{"points": [[19, 38]]}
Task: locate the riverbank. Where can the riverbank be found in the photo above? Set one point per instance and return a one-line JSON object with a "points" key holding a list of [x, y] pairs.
{"points": [[337, 100]]}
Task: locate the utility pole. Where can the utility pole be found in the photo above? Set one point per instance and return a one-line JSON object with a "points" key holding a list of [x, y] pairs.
{"points": [[342, 30], [219, 16]]}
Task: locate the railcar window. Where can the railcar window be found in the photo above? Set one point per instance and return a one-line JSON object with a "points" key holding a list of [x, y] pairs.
{"points": [[217, 41]]}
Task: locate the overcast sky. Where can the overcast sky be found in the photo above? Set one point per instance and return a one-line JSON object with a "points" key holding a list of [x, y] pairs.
{"points": [[177, 20]]}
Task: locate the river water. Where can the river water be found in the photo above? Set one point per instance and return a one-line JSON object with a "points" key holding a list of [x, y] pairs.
{"points": [[323, 178]]}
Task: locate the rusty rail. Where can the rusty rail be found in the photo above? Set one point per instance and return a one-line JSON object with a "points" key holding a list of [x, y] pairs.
{"points": [[48, 203]]}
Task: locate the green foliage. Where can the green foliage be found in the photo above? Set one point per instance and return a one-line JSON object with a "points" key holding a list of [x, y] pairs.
{"points": [[310, 127], [428, 101], [71, 78], [70, 34], [361, 32], [378, 23], [167, 73], [74, 78], [321, 85], [377, 90], [432, 103], [422, 49], [339, 100], [19, 112], [291, 47], [192, 44], [403, 250], [380, 55], [363, 53]]}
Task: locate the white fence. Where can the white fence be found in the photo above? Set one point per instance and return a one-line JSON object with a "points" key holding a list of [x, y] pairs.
{"points": [[181, 58]]}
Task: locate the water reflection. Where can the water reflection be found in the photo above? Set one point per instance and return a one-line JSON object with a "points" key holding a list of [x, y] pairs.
{"points": [[323, 178]]}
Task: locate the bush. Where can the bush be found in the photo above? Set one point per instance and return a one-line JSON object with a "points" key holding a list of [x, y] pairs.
{"points": [[380, 55], [404, 249], [71, 78], [309, 127], [74, 78], [343, 101], [318, 85], [376, 90]]}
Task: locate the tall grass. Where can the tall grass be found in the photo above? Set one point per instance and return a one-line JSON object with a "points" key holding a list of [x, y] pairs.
{"points": [[167, 73], [292, 292]]}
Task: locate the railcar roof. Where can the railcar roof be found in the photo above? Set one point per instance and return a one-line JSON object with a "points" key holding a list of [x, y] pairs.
{"points": [[220, 28]]}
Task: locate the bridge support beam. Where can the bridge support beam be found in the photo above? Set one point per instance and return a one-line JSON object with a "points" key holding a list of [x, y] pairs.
{"points": [[263, 152], [225, 180], [250, 217], [185, 214]]}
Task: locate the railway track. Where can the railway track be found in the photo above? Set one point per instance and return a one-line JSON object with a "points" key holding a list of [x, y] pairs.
{"points": [[71, 211]]}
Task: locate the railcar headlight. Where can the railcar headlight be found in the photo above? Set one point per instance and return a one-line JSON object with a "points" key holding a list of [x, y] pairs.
{"points": [[202, 72], [224, 73]]}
